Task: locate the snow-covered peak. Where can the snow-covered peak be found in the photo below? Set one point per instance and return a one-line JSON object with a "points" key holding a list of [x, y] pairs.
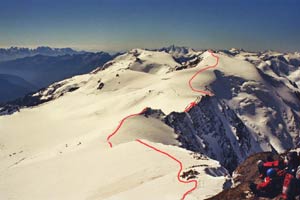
{"points": [[152, 62]]}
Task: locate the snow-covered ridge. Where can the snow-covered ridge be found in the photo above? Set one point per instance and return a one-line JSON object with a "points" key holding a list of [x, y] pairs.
{"points": [[254, 109]]}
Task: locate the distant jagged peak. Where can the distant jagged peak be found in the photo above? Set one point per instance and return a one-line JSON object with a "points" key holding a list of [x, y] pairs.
{"points": [[177, 50], [13, 53], [21, 52], [16, 49], [174, 48]]}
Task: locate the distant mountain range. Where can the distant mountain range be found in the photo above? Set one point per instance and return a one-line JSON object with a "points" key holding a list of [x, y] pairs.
{"points": [[41, 70], [176, 50], [16, 52]]}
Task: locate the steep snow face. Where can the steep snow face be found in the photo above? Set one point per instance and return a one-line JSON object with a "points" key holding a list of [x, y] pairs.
{"points": [[282, 66], [250, 111], [271, 107]]}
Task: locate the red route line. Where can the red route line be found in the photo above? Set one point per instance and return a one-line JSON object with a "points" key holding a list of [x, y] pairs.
{"points": [[201, 91], [120, 124], [186, 110], [180, 170]]}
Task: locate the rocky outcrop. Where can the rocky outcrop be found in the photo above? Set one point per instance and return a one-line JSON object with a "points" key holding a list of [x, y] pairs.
{"points": [[245, 173], [215, 130]]}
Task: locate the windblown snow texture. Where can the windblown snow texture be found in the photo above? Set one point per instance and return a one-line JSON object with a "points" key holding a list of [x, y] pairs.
{"points": [[255, 108]]}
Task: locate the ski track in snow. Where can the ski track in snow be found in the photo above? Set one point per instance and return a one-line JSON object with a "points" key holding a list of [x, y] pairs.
{"points": [[191, 105]]}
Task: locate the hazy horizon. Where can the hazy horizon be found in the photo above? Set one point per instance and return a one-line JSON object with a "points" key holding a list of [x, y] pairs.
{"points": [[119, 25], [159, 47]]}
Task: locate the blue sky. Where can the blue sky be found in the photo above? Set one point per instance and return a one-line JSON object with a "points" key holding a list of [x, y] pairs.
{"points": [[114, 25]]}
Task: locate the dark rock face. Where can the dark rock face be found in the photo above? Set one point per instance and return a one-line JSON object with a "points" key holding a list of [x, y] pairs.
{"points": [[26, 101], [9, 109], [16, 105], [213, 129], [72, 89]]}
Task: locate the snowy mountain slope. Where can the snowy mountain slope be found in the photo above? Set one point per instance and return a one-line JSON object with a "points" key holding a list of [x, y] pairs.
{"points": [[250, 112], [53, 155], [282, 66], [242, 103], [268, 107], [128, 171], [72, 131], [151, 62]]}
